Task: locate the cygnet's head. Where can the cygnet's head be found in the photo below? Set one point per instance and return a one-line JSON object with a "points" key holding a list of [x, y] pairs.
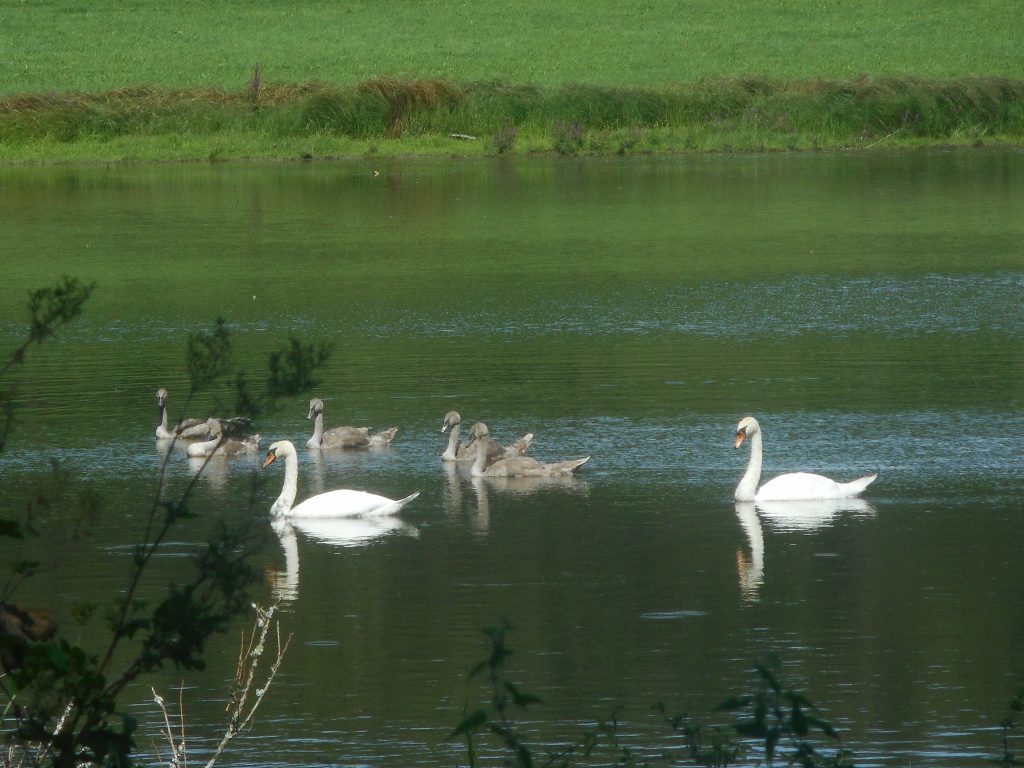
{"points": [[451, 419], [161, 396], [478, 431], [316, 406], [748, 427]]}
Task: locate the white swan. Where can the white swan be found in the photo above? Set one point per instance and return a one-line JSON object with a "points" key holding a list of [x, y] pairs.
{"points": [[162, 431], [795, 486], [339, 503], [516, 466], [343, 437], [463, 452]]}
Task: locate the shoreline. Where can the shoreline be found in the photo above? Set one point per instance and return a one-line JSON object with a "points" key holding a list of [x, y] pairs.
{"points": [[392, 118]]}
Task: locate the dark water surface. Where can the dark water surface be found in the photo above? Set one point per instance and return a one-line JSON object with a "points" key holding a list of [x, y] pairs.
{"points": [[867, 309]]}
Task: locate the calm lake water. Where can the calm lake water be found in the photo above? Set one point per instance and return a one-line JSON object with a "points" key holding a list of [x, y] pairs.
{"points": [[866, 308]]}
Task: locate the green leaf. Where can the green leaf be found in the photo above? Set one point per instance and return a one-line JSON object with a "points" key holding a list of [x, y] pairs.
{"points": [[469, 723], [733, 703], [525, 758], [208, 355], [11, 529], [752, 729], [823, 725], [799, 720], [519, 697], [770, 740]]}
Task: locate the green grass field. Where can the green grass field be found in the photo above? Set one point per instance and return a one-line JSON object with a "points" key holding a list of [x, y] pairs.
{"points": [[93, 45], [191, 58]]}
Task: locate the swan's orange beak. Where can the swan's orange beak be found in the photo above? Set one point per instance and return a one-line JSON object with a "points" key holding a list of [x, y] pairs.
{"points": [[271, 458], [740, 437]]}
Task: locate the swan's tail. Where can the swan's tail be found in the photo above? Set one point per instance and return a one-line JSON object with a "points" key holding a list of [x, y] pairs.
{"points": [[565, 467], [522, 445], [856, 487], [395, 506], [384, 438]]}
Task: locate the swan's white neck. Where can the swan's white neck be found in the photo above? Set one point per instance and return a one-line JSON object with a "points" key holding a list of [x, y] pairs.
{"points": [[747, 488], [291, 483], [451, 453]]}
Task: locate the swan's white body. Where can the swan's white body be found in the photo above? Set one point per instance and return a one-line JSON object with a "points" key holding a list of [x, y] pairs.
{"points": [[516, 466], [340, 503], [795, 486], [343, 437], [464, 452]]}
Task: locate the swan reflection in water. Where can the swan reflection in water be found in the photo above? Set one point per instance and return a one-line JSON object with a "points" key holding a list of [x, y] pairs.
{"points": [[783, 516], [337, 531], [480, 523]]}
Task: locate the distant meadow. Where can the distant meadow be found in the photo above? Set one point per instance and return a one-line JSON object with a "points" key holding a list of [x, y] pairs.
{"points": [[319, 79]]}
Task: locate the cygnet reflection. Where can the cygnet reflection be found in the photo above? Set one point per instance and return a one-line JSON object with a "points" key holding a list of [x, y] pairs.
{"points": [[480, 523], [531, 484], [214, 471], [321, 467], [453, 487]]}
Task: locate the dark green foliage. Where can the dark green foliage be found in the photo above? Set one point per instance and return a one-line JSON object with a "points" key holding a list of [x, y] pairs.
{"points": [[783, 719], [208, 355], [1014, 712], [291, 369], [62, 699], [49, 309], [780, 723]]}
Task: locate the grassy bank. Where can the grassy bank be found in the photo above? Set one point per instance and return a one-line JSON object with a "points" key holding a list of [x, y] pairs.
{"points": [[153, 81], [389, 116]]}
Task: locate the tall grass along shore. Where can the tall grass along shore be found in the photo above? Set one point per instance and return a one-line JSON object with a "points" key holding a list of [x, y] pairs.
{"points": [[389, 116], [313, 78]]}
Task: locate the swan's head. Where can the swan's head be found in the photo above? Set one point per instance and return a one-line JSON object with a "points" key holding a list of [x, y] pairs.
{"points": [[451, 419], [316, 407], [748, 427], [161, 396], [282, 449]]}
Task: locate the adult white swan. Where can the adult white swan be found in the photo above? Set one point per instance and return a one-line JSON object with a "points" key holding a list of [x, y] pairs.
{"points": [[795, 486], [339, 503]]}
